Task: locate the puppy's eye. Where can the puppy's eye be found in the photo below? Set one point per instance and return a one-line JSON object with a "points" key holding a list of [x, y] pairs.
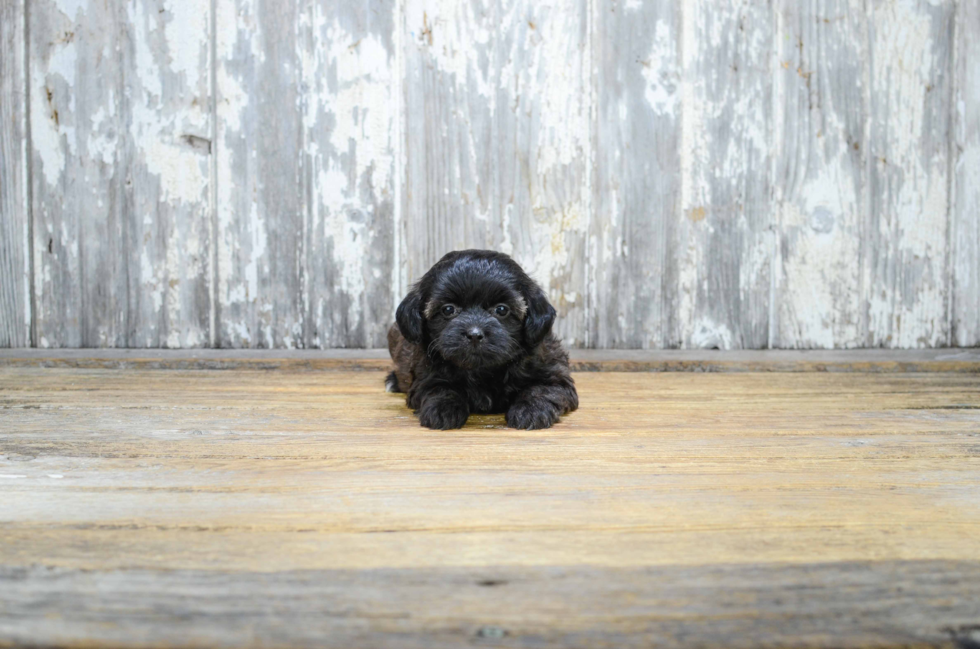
{"points": [[501, 310], [449, 310]]}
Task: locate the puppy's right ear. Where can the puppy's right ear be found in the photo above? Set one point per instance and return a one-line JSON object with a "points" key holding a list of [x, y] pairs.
{"points": [[409, 317], [540, 315]]}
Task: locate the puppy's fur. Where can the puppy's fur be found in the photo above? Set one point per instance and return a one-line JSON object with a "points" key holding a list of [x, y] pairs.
{"points": [[474, 335]]}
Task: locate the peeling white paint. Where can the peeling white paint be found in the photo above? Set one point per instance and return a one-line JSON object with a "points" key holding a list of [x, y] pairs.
{"points": [[47, 141], [236, 29], [349, 126], [360, 104], [150, 273], [517, 116], [110, 137], [256, 252], [63, 62], [234, 101], [53, 130], [182, 171], [660, 70], [913, 202], [158, 126], [441, 27], [544, 88], [694, 151], [185, 47], [147, 67], [707, 334], [103, 139], [71, 8]]}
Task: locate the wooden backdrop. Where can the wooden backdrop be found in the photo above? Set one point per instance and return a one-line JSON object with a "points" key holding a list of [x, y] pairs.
{"points": [[274, 173]]}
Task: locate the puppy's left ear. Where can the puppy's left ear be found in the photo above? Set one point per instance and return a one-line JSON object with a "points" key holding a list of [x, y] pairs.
{"points": [[540, 315], [409, 317]]}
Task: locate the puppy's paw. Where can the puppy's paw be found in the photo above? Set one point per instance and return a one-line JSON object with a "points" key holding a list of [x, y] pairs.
{"points": [[443, 414], [532, 415]]}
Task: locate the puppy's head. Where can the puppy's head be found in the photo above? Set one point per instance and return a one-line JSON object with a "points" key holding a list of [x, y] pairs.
{"points": [[477, 309]]}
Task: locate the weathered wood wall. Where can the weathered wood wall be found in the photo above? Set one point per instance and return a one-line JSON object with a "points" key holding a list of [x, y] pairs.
{"points": [[274, 173], [15, 308]]}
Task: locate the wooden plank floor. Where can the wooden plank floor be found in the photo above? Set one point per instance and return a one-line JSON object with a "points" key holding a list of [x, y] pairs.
{"points": [[280, 508]]}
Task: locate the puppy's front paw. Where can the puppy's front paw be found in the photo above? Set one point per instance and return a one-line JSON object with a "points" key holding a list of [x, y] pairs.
{"points": [[531, 415], [443, 414]]}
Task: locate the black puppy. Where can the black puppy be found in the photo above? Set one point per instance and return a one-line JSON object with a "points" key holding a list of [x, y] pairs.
{"points": [[474, 335]]}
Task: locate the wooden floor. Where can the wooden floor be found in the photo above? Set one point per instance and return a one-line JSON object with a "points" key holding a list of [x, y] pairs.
{"points": [[244, 507]]}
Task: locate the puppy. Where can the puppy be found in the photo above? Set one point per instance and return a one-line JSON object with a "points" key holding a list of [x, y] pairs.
{"points": [[474, 335]]}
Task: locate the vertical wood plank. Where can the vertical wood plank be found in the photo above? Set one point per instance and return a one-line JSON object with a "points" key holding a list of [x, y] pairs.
{"points": [[305, 113], [720, 281], [696, 234], [819, 172], [907, 222], [450, 89], [348, 98], [543, 139], [261, 225], [15, 302], [120, 125], [966, 202], [637, 184], [498, 140]]}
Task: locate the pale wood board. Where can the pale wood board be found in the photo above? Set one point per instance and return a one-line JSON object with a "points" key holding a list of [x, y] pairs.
{"points": [[965, 272], [840, 605], [450, 82], [248, 173], [498, 138], [543, 138], [15, 268], [724, 239], [305, 173], [907, 222], [638, 174], [260, 508], [820, 182], [348, 95], [120, 134], [261, 223]]}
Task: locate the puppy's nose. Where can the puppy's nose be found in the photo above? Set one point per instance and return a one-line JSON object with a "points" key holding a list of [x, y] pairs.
{"points": [[475, 334]]}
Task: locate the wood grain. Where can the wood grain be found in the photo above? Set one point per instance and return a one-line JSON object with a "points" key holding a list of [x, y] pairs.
{"points": [[260, 217], [120, 166], [859, 604], [820, 182], [787, 174], [638, 174], [965, 317], [907, 228], [15, 266], [724, 241], [543, 135], [305, 207], [450, 82], [498, 138], [348, 94], [175, 507]]}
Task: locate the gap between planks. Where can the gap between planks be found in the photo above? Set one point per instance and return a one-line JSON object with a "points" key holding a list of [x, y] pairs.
{"points": [[582, 360]]}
